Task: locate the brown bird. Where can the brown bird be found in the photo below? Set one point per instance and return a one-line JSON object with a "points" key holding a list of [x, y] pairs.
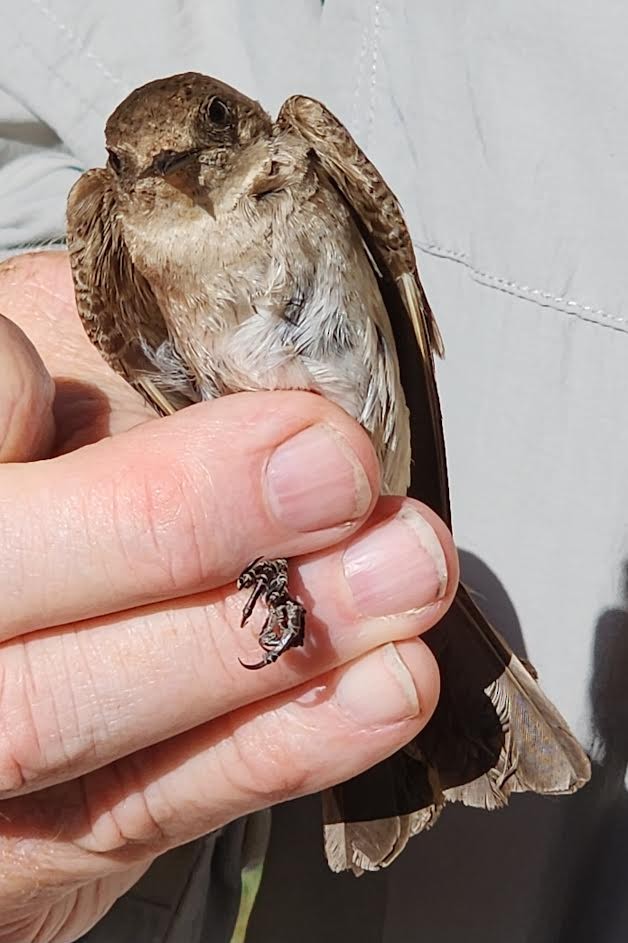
{"points": [[220, 251]]}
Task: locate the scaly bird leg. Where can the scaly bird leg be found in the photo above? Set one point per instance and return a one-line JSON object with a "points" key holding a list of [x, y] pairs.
{"points": [[284, 627]]}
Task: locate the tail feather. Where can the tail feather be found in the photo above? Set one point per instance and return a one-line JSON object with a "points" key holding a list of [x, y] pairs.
{"points": [[494, 733]]}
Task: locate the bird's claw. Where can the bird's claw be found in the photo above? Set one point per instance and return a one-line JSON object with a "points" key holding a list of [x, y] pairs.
{"points": [[284, 627]]}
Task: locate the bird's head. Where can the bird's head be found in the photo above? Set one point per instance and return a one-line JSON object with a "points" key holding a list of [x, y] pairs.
{"points": [[186, 143]]}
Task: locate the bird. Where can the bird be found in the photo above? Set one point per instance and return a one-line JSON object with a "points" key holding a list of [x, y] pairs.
{"points": [[220, 251]]}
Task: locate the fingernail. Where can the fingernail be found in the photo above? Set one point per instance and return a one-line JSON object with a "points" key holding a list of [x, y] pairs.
{"points": [[315, 480], [396, 566], [378, 689]]}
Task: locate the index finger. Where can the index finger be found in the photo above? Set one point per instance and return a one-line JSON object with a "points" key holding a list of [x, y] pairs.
{"points": [[178, 505]]}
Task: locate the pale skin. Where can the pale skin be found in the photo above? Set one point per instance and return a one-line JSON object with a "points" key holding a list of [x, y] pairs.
{"points": [[127, 725]]}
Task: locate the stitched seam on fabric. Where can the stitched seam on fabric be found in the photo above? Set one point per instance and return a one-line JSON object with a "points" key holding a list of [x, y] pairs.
{"points": [[374, 63], [526, 291], [75, 42], [74, 89]]}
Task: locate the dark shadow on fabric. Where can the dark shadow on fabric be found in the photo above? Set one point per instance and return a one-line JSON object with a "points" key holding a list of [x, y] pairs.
{"points": [[475, 876], [598, 907], [489, 593], [33, 133], [300, 899]]}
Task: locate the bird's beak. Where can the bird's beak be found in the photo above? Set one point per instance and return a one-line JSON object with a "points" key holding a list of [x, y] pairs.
{"points": [[170, 163]]}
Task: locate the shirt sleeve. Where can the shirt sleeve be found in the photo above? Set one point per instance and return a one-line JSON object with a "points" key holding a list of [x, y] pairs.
{"points": [[36, 172]]}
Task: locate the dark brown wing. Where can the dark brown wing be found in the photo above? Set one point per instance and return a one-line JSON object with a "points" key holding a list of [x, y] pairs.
{"points": [[494, 731], [115, 302]]}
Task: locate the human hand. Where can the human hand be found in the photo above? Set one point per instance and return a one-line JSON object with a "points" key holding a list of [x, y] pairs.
{"points": [[127, 725]]}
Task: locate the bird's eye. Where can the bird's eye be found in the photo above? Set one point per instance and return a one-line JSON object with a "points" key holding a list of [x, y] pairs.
{"points": [[217, 112], [115, 161]]}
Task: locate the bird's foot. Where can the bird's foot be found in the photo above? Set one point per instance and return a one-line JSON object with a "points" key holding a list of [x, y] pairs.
{"points": [[284, 627]]}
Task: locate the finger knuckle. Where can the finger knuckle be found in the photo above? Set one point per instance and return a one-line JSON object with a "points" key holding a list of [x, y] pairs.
{"points": [[158, 517], [21, 753], [118, 813], [265, 762], [43, 733]]}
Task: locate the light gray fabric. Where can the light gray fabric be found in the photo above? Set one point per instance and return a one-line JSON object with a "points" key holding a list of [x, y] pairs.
{"points": [[502, 128]]}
